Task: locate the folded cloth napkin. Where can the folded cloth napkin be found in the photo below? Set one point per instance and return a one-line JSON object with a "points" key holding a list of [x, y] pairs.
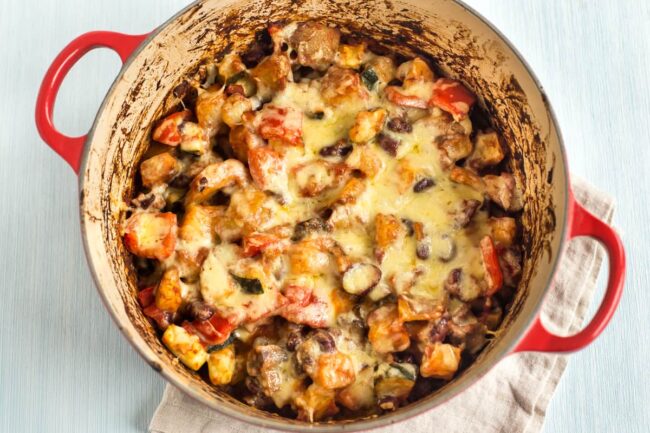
{"points": [[518, 389]]}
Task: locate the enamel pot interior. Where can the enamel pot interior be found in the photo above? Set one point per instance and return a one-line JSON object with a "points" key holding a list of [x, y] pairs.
{"points": [[454, 37]]}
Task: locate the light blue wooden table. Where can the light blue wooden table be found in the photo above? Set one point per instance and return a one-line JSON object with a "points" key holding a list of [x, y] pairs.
{"points": [[63, 365]]}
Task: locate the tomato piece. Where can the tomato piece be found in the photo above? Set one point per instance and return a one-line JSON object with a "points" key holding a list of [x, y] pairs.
{"points": [[298, 295], [169, 130], [146, 296], [281, 124], [398, 98], [493, 274], [215, 330], [304, 308], [452, 97], [161, 317], [255, 243], [151, 235]]}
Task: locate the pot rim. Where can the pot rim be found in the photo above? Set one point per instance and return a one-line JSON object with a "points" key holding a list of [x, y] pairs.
{"points": [[413, 409]]}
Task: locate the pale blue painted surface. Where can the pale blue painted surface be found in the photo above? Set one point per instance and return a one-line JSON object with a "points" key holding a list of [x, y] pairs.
{"points": [[63, 366]]}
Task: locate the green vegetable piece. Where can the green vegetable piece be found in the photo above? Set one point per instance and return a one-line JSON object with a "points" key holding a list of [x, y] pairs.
{"points": [[238, 76], [252, 286], [369, 78], [406, 373], [217, 347]]}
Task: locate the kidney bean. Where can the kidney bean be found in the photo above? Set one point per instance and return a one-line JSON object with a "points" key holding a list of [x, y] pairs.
{"points": [[399, 124], [423, 184], [387, 143]]}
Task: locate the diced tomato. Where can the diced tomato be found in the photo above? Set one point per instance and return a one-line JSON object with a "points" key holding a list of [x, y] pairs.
{"points": [[146, 296], [452, 97], [281, 124], [298, 295], [168, 131], [215, 330], [304, 308], [257, 242], [161, 317], [398, 98], [151, 235], [493, 274]]}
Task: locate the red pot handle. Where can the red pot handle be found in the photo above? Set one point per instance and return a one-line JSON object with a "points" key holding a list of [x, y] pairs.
{"points": [[70, 148], [583, 223]]}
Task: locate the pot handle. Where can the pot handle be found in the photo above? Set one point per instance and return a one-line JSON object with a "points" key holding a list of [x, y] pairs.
{"points": [[583, 223], [70, 148]]}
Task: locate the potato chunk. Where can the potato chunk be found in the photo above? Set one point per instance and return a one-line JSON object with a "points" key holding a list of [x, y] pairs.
{"points": [[214, 178], [208, 109], [503, 231], [221, 365], [151, 235], [168, 293], [268, 170], [242, 139], [487, 151], [440, 361], [272, 75], [158, 169], [334, 370], [185, 346], [351, 56], [340, 85], [503, 191], [316, 44], [387, 333], [234, 107], [414, 71], [367, 125], [388, 229], [316, 403]]}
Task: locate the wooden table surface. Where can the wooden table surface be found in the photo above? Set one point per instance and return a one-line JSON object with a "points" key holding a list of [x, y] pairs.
{"points": [[63, 365]]}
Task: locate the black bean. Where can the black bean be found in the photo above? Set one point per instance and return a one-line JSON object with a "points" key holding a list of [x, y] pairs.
{"points": [[325, 340], [387, 143], [253, 385], [294, 340], [262, 47], [316, 115], [423, 184], [202, 182], [452, 283], [439, 331], [466, 213], [198, 310], [404, 357], [181, 90], [302, 229], [144, 267], [180, 181], [410, 230], [146, 202], [399, 124], [341, 148]]}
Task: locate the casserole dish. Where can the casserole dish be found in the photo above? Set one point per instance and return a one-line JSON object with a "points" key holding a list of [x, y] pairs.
{"points": [[461, 43]]}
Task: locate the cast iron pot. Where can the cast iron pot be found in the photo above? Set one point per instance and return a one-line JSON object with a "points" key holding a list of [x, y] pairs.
{"points": [[463, 44]]}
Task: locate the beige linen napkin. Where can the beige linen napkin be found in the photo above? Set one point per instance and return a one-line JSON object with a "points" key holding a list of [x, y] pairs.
{"points": [[512, 397]]}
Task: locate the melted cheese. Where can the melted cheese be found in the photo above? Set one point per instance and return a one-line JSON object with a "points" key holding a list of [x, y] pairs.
{"points": [[387, 183]]}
